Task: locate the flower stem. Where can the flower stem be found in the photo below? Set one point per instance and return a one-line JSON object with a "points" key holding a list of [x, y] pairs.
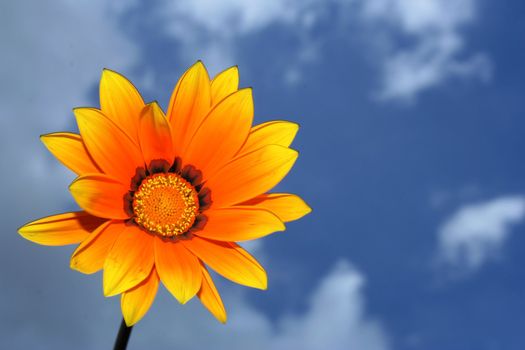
{"points": [[123, 336]]}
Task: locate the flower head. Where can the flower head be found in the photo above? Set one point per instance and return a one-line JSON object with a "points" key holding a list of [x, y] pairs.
{"points": [[165, 196]]}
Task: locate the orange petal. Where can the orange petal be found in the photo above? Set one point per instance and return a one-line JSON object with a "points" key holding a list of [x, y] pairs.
{"points": [[178, 269], [70, 150], [111, 148], [210, 297], [61, 229], [129, 261], [288, 207], [90, 255], [250, 175], [121, 102], [155, 135], [229, 260], [276, 132], [137, 301], [100, 195], [189, 104], [239, 224], [222, 133], [224, 83]]}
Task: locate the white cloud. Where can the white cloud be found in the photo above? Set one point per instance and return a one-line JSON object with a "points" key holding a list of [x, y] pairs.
{"points": [[476, 232], [52, 55], [209, 29], [418, 44], [433, 30], [55, 52], [334, 319]]}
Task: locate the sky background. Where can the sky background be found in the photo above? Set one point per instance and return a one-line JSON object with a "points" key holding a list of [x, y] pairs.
{"points": [[411, 143]]}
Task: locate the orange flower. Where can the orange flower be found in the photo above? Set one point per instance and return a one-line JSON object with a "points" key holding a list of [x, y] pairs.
{"points": [[165, 196]]}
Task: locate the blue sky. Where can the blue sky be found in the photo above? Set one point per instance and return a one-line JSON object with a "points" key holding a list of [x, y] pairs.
{"points": [[411, 120]]}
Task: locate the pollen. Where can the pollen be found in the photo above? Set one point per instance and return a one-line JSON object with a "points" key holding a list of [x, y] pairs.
{"points": [[165, 204]]}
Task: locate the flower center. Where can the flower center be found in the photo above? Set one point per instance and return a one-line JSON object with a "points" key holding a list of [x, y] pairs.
{"points": [[165, 204]]}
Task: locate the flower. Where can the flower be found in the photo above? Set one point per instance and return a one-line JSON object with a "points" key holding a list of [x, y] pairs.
{"points": [[165, 196]]}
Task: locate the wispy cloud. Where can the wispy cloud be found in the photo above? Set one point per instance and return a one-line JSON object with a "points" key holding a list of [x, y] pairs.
{"points": [[54, 53], [414, 45], [475, 233], [211, 30], [51, 63], [335, 318], [423, 44]]}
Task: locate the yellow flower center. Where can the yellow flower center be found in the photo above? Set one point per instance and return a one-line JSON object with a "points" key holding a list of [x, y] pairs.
{"points": [[165, 204]]}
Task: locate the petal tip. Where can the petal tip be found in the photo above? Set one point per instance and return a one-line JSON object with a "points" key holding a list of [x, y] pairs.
{"points": [[81, 113], [130, 322], [73, 264], [263, 286], [264, 282], [46, 139], [305, 210], [108, 288], [200, 68], [130, 317], [308, 209], [198, 65], [106, 73], [183, 300], [73, 186], [109, 291], [25, 233], [22, 229], [151, 107], [234, 68]]}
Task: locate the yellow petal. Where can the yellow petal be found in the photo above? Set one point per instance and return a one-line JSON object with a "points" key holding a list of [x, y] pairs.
{"points": [[250, 175], [129, 261], [121, 102], [111, 148], [239, 224], [90, 255], [155, 135], [288, 207], [61, 229], [222, 133], [210, 297], [70, 150], [100, 195], [189, 104], [178, 269], [229, 260], [224, 83], [137, 301], [276, 132]]}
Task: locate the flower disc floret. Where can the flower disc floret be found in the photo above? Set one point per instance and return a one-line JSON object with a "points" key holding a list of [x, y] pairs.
{"points": [[165, 204]]}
